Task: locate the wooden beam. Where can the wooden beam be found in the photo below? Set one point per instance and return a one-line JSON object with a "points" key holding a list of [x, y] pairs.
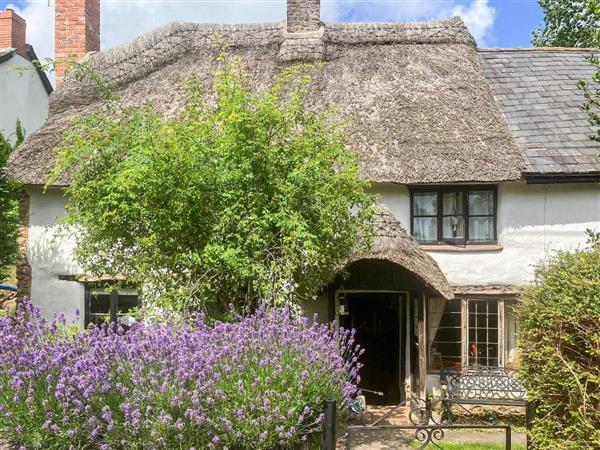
{"points": [[501, 336], [464, 308], [421, 316]]}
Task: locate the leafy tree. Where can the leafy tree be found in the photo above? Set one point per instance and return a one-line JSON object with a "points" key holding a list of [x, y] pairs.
{"points": [[569, 23], [8, 207], [559, 338], [243, 196]]}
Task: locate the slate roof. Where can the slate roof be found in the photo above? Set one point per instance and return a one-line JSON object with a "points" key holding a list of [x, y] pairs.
{"points": [[537, 92]]}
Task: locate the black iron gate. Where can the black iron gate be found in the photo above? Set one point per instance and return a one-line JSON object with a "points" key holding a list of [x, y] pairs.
{"points": [[427, 436]]}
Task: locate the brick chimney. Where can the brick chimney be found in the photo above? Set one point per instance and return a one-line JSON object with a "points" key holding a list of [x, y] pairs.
{"points": [[303, 15], [12, 31], [76, 31]]}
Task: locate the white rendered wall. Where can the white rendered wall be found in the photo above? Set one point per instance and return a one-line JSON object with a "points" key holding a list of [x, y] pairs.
{"points": [[22, 96], [51, 255], [533, 222]]}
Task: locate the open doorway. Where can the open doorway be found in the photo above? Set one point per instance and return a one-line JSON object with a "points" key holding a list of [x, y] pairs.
{"points": [[378, 319]]}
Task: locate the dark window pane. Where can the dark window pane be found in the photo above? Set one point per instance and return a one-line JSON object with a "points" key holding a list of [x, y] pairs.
{"points": [[425, 203], [453, 203], [481, 203], [448, 350], [492, 351], [425, 229], [450, 320], [99, 303], [481, 229], [447, 335], [482, 335], [127, 302], [454, 227]]}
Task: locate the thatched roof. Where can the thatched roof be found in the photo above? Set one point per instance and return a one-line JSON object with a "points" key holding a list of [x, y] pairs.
{"points": [[413, 96], [393, 243]]}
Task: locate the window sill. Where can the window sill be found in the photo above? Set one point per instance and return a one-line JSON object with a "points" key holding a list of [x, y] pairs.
{"points": [[459, 249]]}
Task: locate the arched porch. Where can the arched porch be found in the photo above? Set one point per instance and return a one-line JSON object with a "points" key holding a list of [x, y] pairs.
{"points": [[387, 294]]}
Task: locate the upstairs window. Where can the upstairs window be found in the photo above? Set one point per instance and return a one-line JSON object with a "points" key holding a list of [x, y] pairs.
{"points": [[454, 215]]}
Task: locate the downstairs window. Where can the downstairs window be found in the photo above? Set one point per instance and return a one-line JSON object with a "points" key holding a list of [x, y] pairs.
{"points": [[104, 305], [473, 332]]}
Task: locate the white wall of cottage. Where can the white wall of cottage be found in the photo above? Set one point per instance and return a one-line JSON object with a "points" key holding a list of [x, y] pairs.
{"points": [[533, 221], [51, 255], [23, 95]]}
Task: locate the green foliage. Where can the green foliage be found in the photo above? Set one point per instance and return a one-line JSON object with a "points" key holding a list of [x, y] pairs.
{"points": [[81, 70], [559, 339], [591, 91], [569, 23], [8, 207], [19, 134], [243, 196]]}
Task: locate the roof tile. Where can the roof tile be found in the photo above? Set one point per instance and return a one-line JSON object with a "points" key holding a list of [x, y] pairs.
{"points": [[538, 95]]}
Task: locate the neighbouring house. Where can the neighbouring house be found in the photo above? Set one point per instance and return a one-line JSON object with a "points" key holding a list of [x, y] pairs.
{"points": [[481, 159], [24, 87]]}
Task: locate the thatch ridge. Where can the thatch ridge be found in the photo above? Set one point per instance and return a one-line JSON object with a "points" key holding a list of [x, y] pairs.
{"points": [[416, 104], [393, 243]]}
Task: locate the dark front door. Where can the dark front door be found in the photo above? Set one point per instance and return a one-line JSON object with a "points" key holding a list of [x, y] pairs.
{"points": [[377, 318]]}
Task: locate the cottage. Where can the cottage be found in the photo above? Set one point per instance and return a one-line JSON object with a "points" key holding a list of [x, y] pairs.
{"points": [[481, 159], [23, 96]]}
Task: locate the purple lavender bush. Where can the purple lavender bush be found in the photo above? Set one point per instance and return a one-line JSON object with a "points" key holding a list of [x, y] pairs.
{"points": [[258, 383]]}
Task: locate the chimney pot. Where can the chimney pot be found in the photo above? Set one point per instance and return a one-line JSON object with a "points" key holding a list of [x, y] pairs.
{"points": [[12, 31], [77, 31], [303, 15]]}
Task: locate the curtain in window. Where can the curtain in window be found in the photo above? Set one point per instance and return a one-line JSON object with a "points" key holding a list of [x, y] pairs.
{"points": [[425, 228], [435, 311]]}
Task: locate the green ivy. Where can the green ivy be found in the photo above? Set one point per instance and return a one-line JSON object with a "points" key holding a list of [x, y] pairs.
{"points": [[244, 196], [559, 340]]}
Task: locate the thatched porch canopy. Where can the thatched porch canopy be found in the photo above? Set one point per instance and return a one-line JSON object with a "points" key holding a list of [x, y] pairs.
{"points": [[412, 96], [393, 243]]}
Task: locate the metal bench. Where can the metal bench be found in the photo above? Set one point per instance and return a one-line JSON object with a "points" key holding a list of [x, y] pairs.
{"points": [[482, 385]]}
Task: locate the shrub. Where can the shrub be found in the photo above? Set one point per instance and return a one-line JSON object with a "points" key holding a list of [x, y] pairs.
{"points": [[257, 383], [245, 196], [559, 338]]}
